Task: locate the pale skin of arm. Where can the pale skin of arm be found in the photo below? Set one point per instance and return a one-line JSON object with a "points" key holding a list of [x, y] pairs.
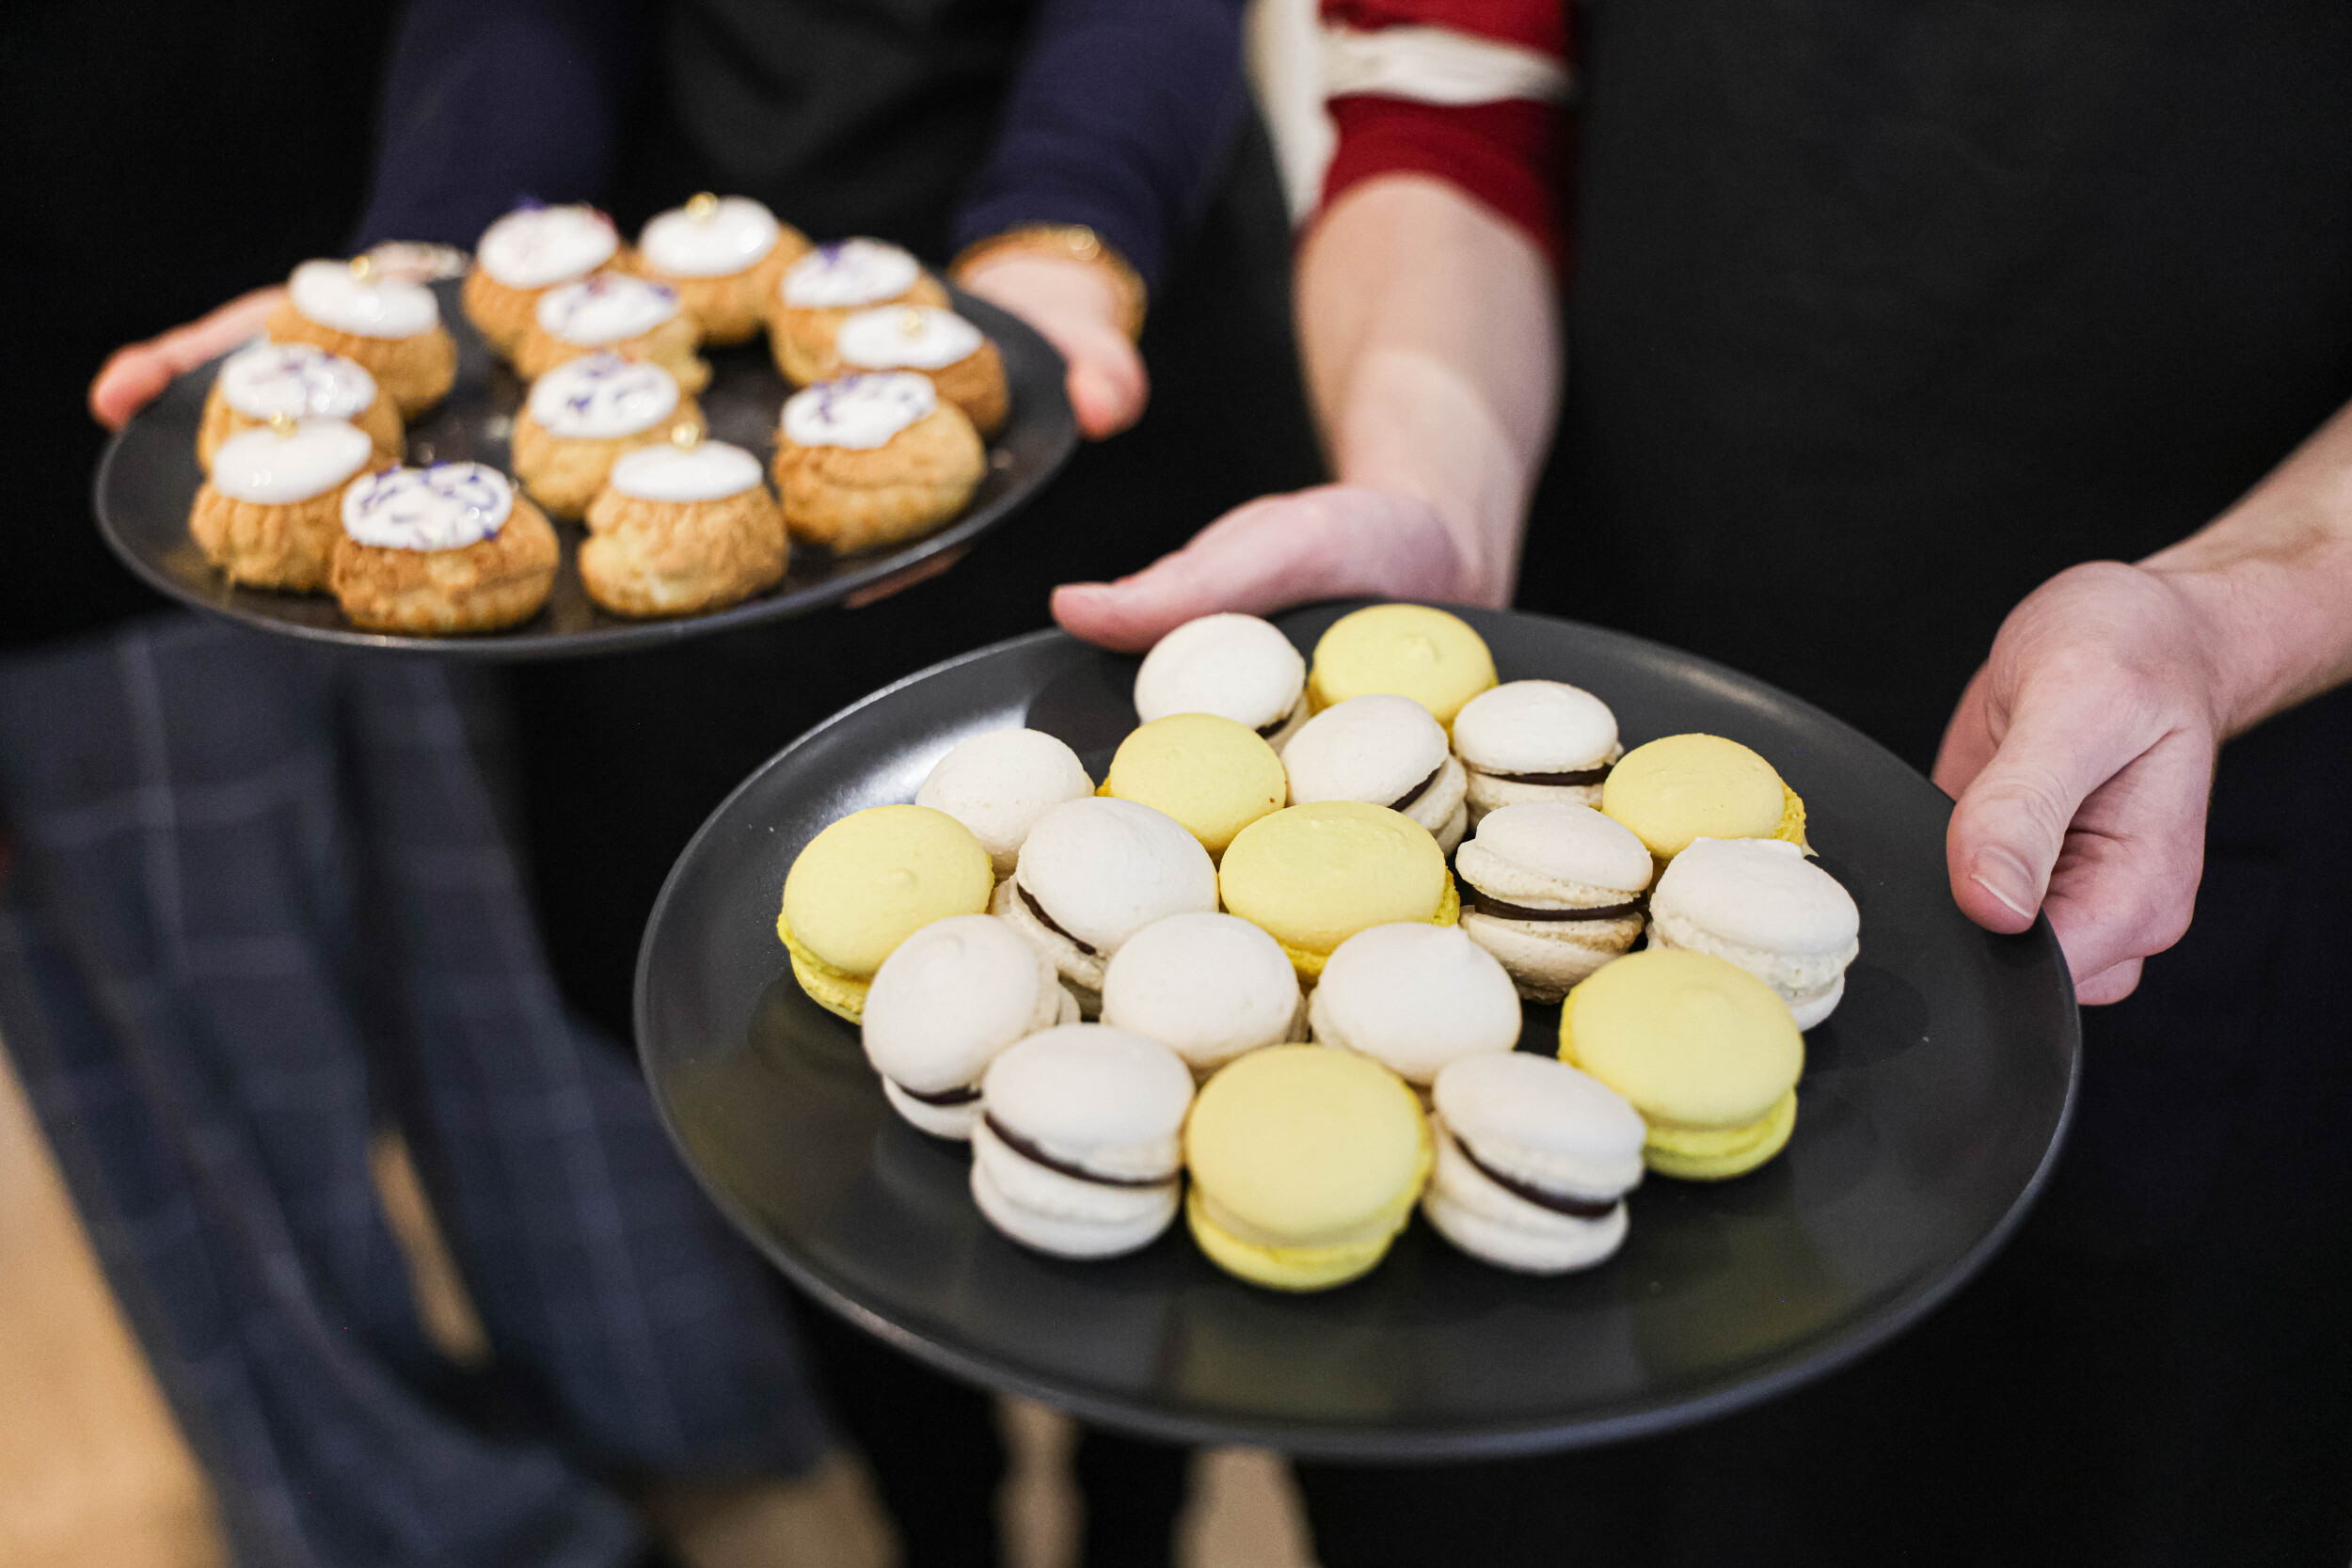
{"points": [[2081, 755]]}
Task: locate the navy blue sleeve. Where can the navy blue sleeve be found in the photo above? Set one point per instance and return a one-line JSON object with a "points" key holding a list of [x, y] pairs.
{"points": [[1120, 119], [489, 102]]}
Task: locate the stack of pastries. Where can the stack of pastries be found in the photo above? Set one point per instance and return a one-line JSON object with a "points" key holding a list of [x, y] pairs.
{"points": [[883, 442], [1238, 978]]}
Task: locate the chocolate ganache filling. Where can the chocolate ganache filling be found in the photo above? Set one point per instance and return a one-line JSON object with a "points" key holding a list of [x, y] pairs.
{"points": [[1035, 1155], [1580, 776], [1500, 910], [1559, 1203], [1267, 732], [1405, 801], [963, 1094], [1049, 922]]}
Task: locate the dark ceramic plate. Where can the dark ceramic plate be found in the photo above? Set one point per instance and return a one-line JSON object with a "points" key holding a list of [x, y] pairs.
{"points": [[148, 478], [1933, 1104]]}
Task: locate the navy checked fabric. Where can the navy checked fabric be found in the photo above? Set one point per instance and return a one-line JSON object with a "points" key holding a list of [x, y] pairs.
{"points": [[260, 903]]}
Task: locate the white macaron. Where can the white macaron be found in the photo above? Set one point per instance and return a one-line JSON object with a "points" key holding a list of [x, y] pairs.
{"points": [[1077, 1151], [999, 784], [1534, 740], [1208, 987], [943, 1004], [1413, 997], [1554, 891], [1094, 872], [1234, 666], [1385, 749], [1534, 1159], [1758, 903]]}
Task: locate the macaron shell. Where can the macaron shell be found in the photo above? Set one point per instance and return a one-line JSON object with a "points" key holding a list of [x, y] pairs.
{"points": [[999, 784], [829, 988], [1545, 959], [1534, 727], [1693, 1041], [1106, 1099], [1689, 787], [1063, 1237], [1378, 747], [1491, 1223], [953, 1122], [1105, 868], [1553, 854], [1538, 1119], [1757, 893], [953, 995], [1314, 875], [1415, 997], [1211, 774], [1206, 986], [1297, 1146], [1238, 666], [1716, 1155], [873, 878], [1408, 649], [1289, 1268]]}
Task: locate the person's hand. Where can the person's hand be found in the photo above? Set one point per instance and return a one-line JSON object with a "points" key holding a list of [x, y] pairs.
{"points": [[2082, 755], [1330, 542], [133, 376], [1074, 306]]}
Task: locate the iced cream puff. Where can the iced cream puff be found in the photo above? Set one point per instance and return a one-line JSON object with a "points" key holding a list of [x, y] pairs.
{"points": [[1385, 749], [523, 255], [1413, 997], [999, 784], [948, 1002], [1553, 890], [682, 527], [1534, 740], [581, 416], [829, 285], [1534, 1159], [439, 550], [390, 328], [1689, 787], [258, 382], [1311, 877], [725, 255], [1209, 986], [874, 460], [957, 359], [1237, 666], [1094, 872], [614, 312], [1078, 1149], [1209, 773], [1704, 1050], [270, 512], [1406, 649], [1758, 903], [866, 884]]}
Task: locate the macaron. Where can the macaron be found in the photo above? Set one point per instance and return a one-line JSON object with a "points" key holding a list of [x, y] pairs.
{"points": [[944, 1005], [1534, 740], [1311, 877], [1408, 649], [1385, 749], [1208, 987], [864, 885], [1094, 872], [999, 784], [1414, 997], [1077, 1151], [1237, 666], [1534, 1159], [1211, 774], [1552, 890], [1305, 1164], [1704, 1051], [1689, 787], [1761, 903]]}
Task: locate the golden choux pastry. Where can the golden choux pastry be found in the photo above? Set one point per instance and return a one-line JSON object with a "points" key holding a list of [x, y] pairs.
{"points": [[726, 255], [441, 550], [828, 286], [522, 256], [874, 460], [391, 328], [614, 312], [960, 362], [262, 381], [271, 511], [682, 527], [581, 416]]}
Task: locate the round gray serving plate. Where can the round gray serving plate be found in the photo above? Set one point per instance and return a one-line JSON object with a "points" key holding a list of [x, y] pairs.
{"points": [[1931, 1108], [148, 477]]}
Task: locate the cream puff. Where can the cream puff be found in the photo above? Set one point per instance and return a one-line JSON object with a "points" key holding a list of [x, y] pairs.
{"points": [[581, 416], [940, 344], [725, 257], [613, 312], [444, 549], [525, 254], [271, 510], [261, 382], [873, 459], [829, 285], [682, 527], [1536, 740], [391, 329]]}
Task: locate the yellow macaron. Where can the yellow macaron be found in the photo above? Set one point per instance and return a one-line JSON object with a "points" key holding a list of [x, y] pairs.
{"points": [[1706, 1051], [1408, 649], [864, 885], [1688, 786], [1213, 776], [1306, 1161], [1314, 875]]}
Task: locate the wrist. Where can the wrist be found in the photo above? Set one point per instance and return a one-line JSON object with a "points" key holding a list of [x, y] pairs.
{"points": [[2240, 638], [1072, 251]]}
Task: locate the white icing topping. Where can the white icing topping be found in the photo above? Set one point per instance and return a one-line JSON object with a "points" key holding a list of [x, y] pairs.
{"points": [[606, 309], [860, 411], [850, 272], [296, 379], [708, 471], [733, 234], [915, 336], [331, 295], [273, 469], [599, 396], [536, 247], [445, 507]]}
